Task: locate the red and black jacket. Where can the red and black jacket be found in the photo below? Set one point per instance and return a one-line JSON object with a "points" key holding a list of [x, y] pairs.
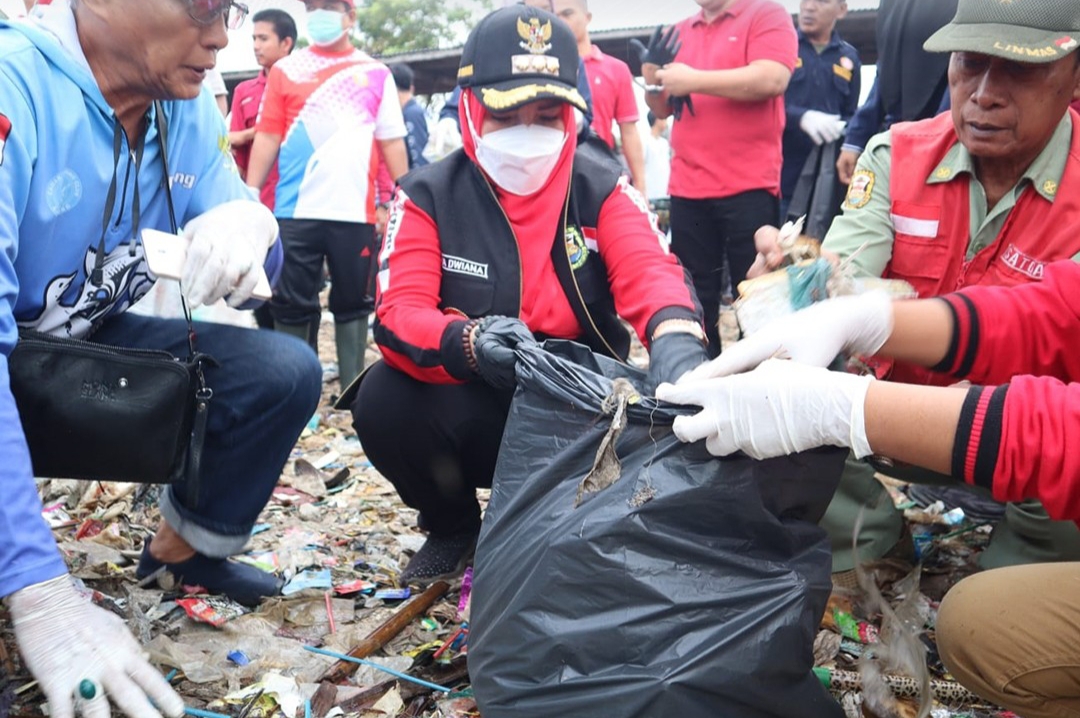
{"points": [[606, 254], [1019, 439]]}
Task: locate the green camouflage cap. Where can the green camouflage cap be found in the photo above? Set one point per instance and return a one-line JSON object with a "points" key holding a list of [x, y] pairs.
{"points": [[1022, 30]]}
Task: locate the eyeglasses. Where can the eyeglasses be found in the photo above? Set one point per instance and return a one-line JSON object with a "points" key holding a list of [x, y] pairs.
{"points": [[207, 12]]}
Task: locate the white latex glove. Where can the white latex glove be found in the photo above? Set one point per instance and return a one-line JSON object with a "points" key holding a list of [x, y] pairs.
{"points": [[822, 127], [65, 639], [858, 324], [227, 249], [446, 138], [779, 408]]}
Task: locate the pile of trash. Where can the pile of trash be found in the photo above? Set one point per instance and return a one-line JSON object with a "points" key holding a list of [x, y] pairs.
{"points": [[345, 639]]}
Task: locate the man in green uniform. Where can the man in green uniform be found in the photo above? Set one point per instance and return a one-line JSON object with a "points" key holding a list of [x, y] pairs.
{"points": [[986, 194]]}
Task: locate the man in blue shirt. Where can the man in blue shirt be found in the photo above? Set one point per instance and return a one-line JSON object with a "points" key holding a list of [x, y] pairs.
{"points": [[91, 96], [415, 119], [821, 97]]}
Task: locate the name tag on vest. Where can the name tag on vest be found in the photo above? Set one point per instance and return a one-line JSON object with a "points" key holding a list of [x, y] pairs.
{"points": [[1023, 263], [914, 226], [459, 265]]}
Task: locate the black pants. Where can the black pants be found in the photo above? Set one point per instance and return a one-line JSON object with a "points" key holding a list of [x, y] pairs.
{"points": [[707, 232], [436, 443], [348, 249]]}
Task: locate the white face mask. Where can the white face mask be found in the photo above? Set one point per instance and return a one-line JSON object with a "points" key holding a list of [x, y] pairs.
{"points": [[520, 159]]}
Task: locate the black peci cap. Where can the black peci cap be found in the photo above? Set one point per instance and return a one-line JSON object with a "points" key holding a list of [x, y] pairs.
{"points": [[518, 55]]}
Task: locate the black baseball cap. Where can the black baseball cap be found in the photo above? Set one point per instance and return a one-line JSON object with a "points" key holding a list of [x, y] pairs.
{"points": [[518, 55], [1035, 31]]}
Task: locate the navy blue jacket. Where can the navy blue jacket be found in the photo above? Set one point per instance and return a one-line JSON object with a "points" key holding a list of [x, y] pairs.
{"points": [[417, 138], [827, 82]]}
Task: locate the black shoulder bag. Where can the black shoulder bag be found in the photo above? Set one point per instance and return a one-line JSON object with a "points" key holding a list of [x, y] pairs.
{"points": [[91, 411]]}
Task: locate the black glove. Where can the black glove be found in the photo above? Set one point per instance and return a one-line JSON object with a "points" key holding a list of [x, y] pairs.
{"points": [[496, 339], [663, 46], [678, 103], [672, 355]]}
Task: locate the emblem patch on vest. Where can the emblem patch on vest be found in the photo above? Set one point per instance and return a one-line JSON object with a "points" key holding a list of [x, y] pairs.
{"points": [[861, 190], [575, 248], [459, 265]]}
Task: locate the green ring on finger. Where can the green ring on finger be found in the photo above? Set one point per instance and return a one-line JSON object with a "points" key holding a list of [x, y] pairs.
{"points": [[87, 689]]}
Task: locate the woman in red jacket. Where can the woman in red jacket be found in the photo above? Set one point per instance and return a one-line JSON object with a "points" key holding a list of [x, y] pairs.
{"points": [[512, 238], [1012, 635]]}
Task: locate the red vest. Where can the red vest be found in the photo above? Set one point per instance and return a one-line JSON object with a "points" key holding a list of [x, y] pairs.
{"points": [[932, 224]]}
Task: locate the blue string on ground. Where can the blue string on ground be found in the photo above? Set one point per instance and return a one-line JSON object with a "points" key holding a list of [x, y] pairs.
{"points": [[376, 666]]}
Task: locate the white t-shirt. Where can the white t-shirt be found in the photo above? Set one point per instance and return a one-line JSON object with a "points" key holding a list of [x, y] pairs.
{"points": [[657, 165], [214, 82], [13, 8]]}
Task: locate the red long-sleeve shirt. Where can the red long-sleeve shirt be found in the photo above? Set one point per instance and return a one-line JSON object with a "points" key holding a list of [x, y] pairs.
{"points": [[643, 278], [1020, 439]]}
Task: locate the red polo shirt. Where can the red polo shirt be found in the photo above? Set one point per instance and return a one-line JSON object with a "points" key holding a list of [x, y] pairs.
{"points": [[612, 89], [730, 147], [247, 97]]}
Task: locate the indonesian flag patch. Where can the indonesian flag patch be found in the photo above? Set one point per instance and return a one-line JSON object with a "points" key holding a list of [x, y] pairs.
{"points": [[5, 130]]}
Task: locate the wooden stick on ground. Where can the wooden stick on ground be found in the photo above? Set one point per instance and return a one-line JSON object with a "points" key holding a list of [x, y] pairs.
{"points": [[365, 699], [324, 699], [382, 635]]}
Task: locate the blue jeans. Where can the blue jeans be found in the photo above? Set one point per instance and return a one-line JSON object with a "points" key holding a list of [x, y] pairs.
{"points": [[265, 390]]}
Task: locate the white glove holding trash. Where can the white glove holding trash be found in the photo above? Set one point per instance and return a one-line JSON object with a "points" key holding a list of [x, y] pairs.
{"points": [[228, 246], [82, 655], [822, 127], [857, 324], [780, 408]]}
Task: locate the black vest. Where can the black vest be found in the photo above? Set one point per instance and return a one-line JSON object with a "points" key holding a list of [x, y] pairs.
{"points": [[481, 265]]}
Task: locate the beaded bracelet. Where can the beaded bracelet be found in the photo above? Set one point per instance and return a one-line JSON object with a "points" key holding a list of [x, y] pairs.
{"points": [[467, 345]]}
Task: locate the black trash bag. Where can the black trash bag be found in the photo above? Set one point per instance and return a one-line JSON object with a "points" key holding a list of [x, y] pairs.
{"points": [[691, 587]]}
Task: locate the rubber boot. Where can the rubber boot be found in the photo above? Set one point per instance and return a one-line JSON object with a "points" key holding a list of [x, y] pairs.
{"points": [[1027, 535], [882, 523], [302, 332], [351, 340]]}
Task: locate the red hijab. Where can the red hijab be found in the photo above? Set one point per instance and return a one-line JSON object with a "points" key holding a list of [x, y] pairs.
{"points": [[534, 218]]}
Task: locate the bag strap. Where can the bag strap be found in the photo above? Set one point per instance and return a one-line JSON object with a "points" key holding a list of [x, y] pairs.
{"points": [[203, 393]]}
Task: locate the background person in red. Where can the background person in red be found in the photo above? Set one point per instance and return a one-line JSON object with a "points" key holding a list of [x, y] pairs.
{"points": [[612, 89], [274, 36], [516, 235], [736, 60]]}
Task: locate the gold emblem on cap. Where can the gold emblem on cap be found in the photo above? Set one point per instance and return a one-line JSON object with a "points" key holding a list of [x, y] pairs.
{"points": [[534, 65], [506, 99], [1050, 187], [536, 38], [1023, 51]]}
